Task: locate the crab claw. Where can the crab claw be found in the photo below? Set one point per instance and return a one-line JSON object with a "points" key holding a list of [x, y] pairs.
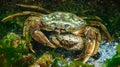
{"points": [[41, 38]]}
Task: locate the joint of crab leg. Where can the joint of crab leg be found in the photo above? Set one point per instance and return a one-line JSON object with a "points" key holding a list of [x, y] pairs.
{"points": [[79, 32], [104, 29], [89, 49]]}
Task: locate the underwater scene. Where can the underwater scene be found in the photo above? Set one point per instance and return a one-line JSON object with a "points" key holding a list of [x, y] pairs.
{"points": [[59, 33]]}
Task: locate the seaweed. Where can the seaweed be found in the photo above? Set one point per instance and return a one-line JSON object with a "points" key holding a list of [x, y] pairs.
{"points": [[115, 60], [11, 48]]}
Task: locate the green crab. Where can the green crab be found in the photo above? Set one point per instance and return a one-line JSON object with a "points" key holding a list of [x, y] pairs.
{"points": [[65, 30]]}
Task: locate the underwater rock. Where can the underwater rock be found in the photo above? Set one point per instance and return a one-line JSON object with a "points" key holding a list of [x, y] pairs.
{"points": [[107, 51]]}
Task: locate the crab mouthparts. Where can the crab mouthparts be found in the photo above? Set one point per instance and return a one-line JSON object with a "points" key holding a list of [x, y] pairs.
{"points": [[58, 30]]}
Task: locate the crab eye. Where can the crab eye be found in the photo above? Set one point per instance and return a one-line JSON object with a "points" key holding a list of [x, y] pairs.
{"points": [[67, 26], [53, 25]]}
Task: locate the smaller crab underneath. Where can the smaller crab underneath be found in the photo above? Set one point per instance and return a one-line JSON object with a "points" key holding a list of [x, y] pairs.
{"points": [[66, 31]]}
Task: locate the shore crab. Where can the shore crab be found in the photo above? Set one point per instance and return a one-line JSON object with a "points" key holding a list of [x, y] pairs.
{"points": [[65, 30]]}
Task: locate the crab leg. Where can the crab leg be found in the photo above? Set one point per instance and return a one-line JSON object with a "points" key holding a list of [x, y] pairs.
{"points": [[34, 7], [41, 38], [24, 13], [104, 29], [90, 46], [98, 39], [32, 29], [93, 34], [92, 41], [89, 49]]}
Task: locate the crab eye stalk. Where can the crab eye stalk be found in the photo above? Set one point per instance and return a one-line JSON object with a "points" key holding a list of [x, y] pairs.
{"points": [[67, 26], [53, 25]]}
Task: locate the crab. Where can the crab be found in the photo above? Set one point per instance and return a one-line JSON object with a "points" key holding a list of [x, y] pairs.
{"points": [[65, 30]]}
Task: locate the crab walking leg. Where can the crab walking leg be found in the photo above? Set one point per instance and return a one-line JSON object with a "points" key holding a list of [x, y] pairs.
{"points": [[93, 34], [34, 8], [24, 13], [96, 48], [104, 29], [98, 39], [41, 38], [27, 36], [89, 49], [91, 45]]}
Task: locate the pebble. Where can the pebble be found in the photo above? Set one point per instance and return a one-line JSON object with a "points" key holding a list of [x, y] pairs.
{"points": [[107, 52]]}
